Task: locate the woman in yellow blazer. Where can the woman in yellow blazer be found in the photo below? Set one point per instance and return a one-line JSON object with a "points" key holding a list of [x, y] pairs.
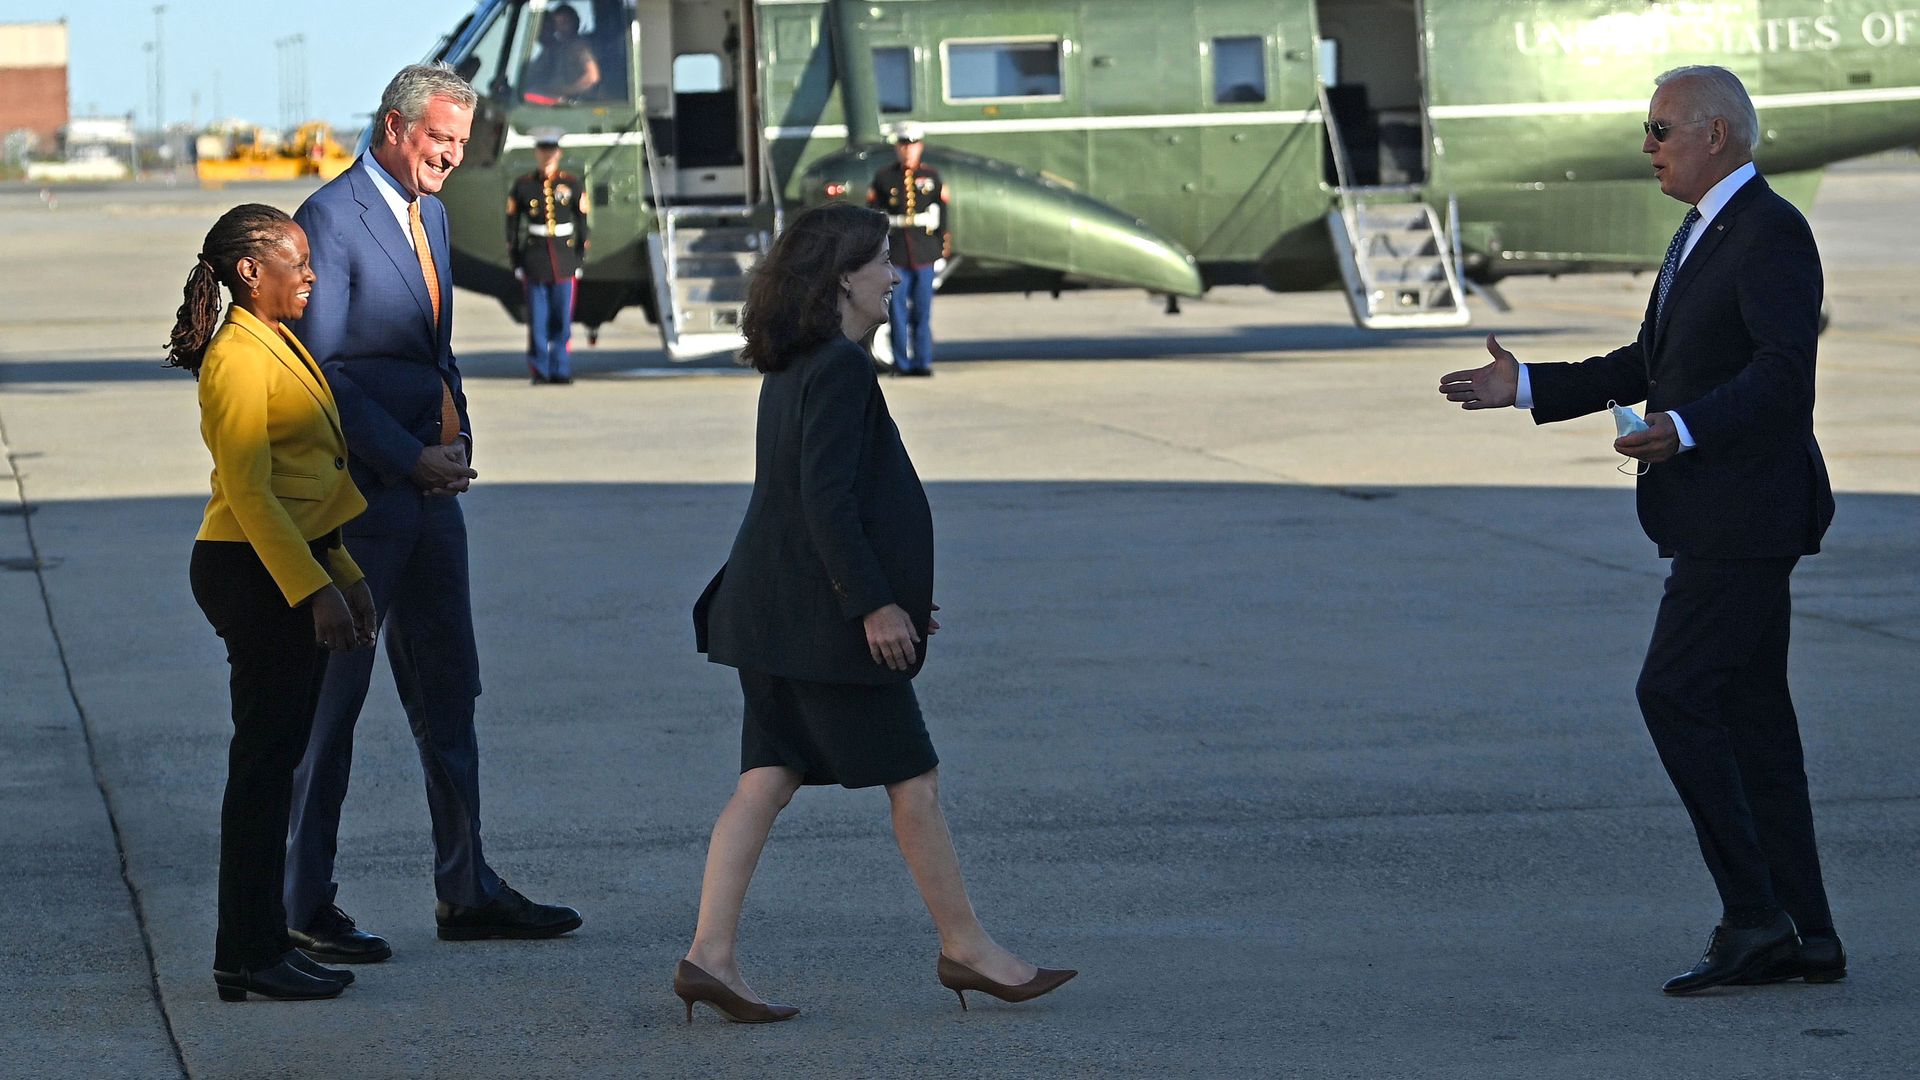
{"points": [[268, 570]]}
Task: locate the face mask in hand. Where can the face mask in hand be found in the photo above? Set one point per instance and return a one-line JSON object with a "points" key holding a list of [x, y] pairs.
{"points": [[1626, 422]]}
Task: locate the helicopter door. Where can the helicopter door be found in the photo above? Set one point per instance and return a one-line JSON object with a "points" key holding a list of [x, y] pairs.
{"points": [[690, 53], [1371, 62]]}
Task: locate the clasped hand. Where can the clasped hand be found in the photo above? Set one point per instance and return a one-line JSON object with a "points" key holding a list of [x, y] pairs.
{"points": [[442, 470], [344, 620]]}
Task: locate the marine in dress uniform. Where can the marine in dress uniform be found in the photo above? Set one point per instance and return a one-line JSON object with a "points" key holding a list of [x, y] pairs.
{"points": [[915, 201], [547, 237]]}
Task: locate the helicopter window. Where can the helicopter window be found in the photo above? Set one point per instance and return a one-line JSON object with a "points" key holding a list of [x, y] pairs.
{"points": [[1007, 70], [486, 64], [563, 66], [1239, 70], [698, 73], [893, 74]]}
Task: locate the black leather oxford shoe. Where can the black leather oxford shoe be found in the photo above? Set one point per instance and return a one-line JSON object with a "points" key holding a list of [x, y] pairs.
{"points": [[332, 937], [281, 982], [305, 964], [1818, 959], [1733, 954], [507, 915]]}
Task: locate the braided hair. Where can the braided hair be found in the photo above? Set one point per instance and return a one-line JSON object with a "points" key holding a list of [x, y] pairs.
{"points": [[246, 231]]}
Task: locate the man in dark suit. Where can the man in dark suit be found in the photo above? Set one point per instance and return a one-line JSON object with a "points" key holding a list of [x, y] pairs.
{"points": [[1734, 491], [379, 322]]}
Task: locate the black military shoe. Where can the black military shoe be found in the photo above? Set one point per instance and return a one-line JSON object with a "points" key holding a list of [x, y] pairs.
{"points": [[332, 937], [507, 915], [1733, 954], [280, 982], [1819, 959]]}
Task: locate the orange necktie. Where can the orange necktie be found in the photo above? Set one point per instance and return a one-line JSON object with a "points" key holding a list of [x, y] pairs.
{"points": [[449, 415]]}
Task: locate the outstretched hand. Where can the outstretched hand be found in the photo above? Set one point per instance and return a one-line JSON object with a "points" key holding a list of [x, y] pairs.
{"points": [[1489, 387]]}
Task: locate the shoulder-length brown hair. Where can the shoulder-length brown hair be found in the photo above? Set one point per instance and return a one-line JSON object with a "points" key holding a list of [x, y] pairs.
{"points": [[793, 298]]}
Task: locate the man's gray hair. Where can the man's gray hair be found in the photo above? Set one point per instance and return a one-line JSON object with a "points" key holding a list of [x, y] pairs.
{"points": [[416, 85], [1715, 91]]}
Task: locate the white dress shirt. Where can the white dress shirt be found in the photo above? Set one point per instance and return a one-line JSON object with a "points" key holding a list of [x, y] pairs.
{"points": [[1714, 201], [396, 196]]}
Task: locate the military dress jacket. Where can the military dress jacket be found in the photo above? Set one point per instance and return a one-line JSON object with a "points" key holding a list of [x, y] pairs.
{"points": [[547, 225], [916, 209]]}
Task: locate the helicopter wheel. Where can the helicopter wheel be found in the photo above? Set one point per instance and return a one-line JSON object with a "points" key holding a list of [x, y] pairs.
{"points": [[593, 335]]}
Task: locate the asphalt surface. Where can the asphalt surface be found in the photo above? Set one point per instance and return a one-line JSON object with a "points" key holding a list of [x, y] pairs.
{"points": [[1291, 705]]}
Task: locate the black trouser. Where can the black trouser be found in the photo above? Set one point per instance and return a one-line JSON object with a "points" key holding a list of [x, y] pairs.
{"points": [[275, 679], [1714, 693]]}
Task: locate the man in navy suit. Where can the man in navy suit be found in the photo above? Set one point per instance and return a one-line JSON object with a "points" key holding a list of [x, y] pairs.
{"points": [[380, 323], [1734, 490]]}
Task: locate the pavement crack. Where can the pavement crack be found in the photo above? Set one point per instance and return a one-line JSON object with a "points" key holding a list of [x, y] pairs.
{"points": [[40, 566]]}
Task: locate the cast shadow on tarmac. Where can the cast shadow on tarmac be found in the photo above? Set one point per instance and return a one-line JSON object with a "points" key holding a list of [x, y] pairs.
{"points": [[1236, 729]]}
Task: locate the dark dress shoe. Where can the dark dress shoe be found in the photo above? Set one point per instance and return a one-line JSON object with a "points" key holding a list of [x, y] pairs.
{"points": [[1734, 954], [507, 915], [561, 380], [281, 982], [1819, 959], [540, 380], [300, 961], [332, 937]]}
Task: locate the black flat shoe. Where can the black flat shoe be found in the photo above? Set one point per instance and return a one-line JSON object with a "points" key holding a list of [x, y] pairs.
{"points": [[1733, 954], [1820, 958], [508, 915], [303, 963], [281, 982], [332, 938]]}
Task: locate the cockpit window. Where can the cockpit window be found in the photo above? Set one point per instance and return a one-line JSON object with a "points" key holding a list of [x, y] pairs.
{"points": [[551, 53]]}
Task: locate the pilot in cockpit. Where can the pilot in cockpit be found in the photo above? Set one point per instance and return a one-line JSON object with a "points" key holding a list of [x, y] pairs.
{"points": [[564, 68]]}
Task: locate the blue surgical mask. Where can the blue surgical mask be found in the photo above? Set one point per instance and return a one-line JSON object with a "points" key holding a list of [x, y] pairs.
{"points": [[1626, 422]]}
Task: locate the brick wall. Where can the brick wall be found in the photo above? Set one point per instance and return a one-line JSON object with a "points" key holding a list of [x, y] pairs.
{"points": [[34, 98]]}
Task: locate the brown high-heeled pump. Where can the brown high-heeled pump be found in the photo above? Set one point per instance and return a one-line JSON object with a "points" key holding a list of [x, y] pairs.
{"points": [[959, 978], [692, 985]]}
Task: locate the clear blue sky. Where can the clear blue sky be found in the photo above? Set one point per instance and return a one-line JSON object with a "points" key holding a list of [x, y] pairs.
{"points": [[224, 50]]}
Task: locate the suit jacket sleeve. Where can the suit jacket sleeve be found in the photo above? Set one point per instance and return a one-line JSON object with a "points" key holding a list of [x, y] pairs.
{"points": [[833, 414], [341, 565], [233, 421], [373, 435], [1564, 391], [1779, 289]]}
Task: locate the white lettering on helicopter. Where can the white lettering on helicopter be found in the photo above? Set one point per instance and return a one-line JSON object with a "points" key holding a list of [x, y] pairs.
{"points": [[1697, 32]]}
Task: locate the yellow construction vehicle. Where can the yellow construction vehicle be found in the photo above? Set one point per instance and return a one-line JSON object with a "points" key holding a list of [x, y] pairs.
{"points": [[254, 153]]}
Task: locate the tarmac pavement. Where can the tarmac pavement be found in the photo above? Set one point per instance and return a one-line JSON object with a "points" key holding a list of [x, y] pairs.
{"points": [[1290, 704]]}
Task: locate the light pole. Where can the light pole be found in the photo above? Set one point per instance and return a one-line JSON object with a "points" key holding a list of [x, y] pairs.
{"points": [[159, 70]]}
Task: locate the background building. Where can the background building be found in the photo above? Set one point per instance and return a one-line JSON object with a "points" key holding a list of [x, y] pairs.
{"points": [[33, 80]]}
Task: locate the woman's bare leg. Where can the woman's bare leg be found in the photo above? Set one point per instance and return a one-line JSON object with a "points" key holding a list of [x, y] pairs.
{"points": [[921, 830], [738, 838]]}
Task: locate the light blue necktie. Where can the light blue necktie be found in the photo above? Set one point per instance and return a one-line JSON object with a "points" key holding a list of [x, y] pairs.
{"points": [[1670, 265]]}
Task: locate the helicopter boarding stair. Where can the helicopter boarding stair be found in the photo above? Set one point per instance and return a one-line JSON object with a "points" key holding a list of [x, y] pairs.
{"points": [[701, 256], [1398, 266]]}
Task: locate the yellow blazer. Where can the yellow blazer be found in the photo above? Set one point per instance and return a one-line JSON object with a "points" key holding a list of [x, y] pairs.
{"points": [[279, 456]]}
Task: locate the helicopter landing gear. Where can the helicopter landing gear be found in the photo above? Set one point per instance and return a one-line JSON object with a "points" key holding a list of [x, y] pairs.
{"points": [[593, 334], [1173, 304]]}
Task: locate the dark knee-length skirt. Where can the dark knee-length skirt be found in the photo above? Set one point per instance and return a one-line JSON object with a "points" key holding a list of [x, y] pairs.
{"points": [[834, 733]]}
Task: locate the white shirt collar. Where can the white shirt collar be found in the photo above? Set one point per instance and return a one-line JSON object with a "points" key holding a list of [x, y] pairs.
{"points": [[390, 190], [1719, 194]]}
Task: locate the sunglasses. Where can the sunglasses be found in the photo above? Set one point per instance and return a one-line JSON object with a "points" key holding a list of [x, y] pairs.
{"points": [[1660, 129]]}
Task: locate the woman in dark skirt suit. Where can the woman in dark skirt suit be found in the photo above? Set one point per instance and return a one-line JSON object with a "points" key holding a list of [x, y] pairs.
{"points": [[824, 606]]}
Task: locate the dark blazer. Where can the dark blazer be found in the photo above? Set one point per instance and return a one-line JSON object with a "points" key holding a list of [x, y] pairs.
{"points": [[1733, 354], [838, 526], [369, 323]]}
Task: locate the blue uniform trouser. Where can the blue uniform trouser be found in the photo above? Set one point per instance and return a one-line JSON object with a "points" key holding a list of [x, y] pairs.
{"points": [[912, 315], [550, 317], [418, 575]]}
